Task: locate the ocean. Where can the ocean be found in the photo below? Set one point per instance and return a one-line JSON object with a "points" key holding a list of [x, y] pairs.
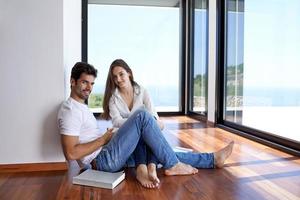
{"points": [[169, 96], [271, 97]]}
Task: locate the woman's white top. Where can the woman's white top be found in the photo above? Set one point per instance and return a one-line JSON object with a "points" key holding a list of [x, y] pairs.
{"points": [[119, 111]]}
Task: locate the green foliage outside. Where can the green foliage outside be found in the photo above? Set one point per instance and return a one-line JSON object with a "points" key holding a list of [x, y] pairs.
{"points": [[234, 85], [95, 100], [235, 80], [200, 85], [232, 69]]}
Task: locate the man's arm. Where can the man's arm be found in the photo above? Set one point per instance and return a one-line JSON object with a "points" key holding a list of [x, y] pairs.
{"points": [[73, 150]]}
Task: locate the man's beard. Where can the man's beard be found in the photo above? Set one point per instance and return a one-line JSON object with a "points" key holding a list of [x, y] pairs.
{"points": [[84, 95]]}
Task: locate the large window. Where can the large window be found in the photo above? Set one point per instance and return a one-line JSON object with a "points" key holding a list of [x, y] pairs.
{"points": [[262, 66], [147, 37], [199, 57]]}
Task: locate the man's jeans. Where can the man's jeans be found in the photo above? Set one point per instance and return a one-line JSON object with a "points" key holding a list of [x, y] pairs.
{"points": [[142, 125]]}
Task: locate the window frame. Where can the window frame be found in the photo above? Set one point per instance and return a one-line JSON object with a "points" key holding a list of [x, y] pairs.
{"points": [[181, 56], [275, 141], [191, 53]]}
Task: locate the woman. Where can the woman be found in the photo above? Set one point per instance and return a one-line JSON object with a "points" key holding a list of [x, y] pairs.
{"points": [[122, 97]]}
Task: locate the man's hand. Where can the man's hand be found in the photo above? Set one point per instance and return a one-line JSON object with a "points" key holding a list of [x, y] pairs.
{"points": [[73, 150], [107, 135]]}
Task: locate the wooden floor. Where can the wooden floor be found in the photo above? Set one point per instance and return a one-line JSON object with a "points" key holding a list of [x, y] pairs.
{"points": [[253, 172]]}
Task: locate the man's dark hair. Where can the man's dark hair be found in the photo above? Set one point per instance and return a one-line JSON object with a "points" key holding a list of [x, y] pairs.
{"points": [[82, 67]]}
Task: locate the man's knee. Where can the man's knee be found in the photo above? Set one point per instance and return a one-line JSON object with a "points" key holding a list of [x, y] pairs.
{"points": [[111, 166]]}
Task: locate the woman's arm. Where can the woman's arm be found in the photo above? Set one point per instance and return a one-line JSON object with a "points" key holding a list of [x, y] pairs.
{"points": [[150, 107], [116, 118]]}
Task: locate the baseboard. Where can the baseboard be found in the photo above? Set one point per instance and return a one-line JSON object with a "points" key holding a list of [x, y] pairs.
{"points": [[31, 167], [210, 123]]}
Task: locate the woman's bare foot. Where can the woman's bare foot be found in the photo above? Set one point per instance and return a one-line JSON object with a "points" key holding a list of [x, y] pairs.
{"points": [[221, 155], [152, 174], [142, 177], [181, 169]]}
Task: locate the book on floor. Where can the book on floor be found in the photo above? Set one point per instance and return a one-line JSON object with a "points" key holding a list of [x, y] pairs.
{"points": [[99, 178], [182, 149]]}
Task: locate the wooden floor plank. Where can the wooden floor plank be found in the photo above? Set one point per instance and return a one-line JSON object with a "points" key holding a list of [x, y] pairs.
{"points": [[253, 171]]}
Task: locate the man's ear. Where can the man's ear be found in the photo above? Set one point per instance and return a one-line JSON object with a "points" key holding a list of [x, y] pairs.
{"points": [[72, 82]]}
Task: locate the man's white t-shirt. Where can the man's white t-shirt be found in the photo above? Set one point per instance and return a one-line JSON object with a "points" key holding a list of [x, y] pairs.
{"points": [[75, 119]]}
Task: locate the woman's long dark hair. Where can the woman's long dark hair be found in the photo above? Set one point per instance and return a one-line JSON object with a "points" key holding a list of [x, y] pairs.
{"points": [[111, 86]]}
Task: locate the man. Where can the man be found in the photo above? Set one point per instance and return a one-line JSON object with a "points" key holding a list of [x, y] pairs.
{"points": [[82, 141]]}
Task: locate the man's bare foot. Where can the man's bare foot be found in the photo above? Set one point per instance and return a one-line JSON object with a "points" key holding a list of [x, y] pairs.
{"points": [[221, 155], [181, 169], [142, 177], [152, 174]]}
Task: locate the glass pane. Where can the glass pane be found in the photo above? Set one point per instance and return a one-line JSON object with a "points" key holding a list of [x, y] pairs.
{"points": [[262, 83], [235, 61], [200, 57], [147, 38]]}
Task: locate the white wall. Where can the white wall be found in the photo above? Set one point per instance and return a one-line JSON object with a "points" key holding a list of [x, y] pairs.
{"points": [[32, 79], [211, 104], [72, 38], [39, 43]]}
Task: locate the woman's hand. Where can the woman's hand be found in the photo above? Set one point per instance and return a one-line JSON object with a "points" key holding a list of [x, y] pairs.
{"points": [[160, 124]]}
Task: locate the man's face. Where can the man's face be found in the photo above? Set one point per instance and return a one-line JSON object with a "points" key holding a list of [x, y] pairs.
{"points": [[82, 88]]}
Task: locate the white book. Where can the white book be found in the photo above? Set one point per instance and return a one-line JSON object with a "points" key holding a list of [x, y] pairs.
{"points": [[182, 149], [99, 178]]}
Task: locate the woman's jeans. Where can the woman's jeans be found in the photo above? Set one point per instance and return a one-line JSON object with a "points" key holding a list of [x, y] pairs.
{"points": [[143, 154], [142, 126]]}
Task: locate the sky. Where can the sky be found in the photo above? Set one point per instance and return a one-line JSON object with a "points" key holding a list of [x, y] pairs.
{"points": [[145, 37], [272, 43], [268, 42]]}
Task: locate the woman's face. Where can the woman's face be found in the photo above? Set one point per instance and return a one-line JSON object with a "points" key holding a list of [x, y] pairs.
{"points": [[121, 77]]}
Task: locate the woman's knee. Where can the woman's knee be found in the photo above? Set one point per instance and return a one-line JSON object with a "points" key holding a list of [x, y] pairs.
{"points": [[142, 111]]}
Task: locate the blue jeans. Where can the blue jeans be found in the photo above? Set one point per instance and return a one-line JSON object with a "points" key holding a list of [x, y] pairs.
{"points": [[143, 154], [141, 125]]}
